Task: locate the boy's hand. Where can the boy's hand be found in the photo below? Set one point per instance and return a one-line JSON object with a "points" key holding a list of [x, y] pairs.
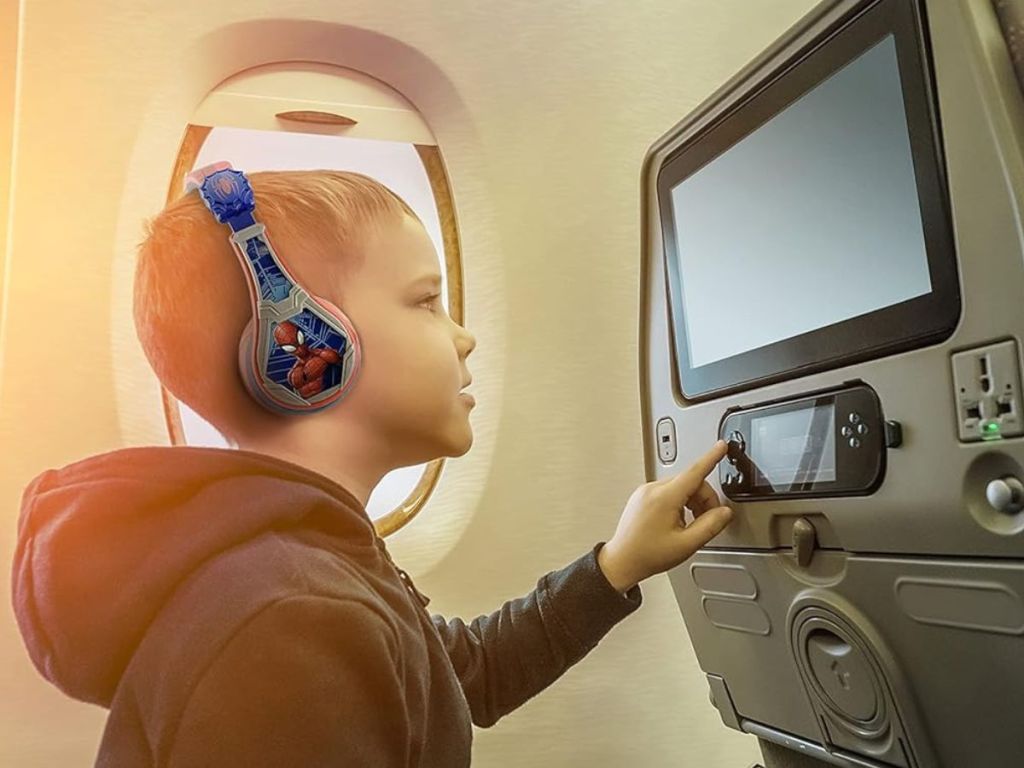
{"points": [[651, 537]]}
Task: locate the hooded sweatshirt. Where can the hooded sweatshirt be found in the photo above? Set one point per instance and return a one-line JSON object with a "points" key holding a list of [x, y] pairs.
{"points": [[233, 609]]}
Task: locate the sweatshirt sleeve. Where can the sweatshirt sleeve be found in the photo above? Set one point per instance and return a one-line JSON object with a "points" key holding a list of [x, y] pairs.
{"points": [[504, 659], [309, 681]]}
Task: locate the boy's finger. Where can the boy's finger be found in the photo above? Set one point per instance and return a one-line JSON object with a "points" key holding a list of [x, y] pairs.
{"points": [[686, 483], [704, 528]]}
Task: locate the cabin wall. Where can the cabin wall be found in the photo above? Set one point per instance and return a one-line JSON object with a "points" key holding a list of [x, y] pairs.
{"points": [[8, 51]]}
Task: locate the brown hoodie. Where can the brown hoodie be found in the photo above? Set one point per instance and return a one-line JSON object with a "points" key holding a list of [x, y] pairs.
{"points": [[234, 609]]}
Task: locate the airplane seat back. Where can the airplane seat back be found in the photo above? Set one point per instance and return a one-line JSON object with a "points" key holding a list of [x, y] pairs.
{"points": [[832, 266]]}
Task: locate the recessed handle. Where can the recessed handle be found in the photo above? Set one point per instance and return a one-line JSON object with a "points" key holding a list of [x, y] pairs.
{"points": [[315, 116]]}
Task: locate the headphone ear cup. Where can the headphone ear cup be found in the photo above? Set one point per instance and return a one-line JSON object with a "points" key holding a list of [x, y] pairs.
{"points": [[346, 326], [245, 346], [250, 375]]}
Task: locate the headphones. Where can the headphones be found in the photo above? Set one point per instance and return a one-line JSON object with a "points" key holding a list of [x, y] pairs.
{"points": [[299, 353]]}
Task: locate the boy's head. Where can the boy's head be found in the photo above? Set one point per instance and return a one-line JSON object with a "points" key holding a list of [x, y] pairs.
{"points": [[351, 240]]}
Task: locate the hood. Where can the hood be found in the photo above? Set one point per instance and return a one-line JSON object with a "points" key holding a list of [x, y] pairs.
{"points": [[103, 543]]}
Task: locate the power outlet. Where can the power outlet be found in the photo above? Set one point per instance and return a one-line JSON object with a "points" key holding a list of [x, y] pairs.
{"points": [[988, 393]]}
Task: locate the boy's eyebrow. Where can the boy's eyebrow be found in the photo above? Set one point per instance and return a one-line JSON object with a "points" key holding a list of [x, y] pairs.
{"points": [[432, 279]]}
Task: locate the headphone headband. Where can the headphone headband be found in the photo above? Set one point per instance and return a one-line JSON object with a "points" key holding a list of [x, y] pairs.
{"points": [[226, 192]]}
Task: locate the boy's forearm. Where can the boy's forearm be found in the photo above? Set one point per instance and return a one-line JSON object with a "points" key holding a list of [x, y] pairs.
{"points": [[554, 626]]}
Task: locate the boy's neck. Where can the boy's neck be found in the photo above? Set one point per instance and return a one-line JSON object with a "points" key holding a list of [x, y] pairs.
{"points": [[354, 470]]}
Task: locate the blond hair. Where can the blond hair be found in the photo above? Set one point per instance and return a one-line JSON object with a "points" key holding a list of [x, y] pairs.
{"points": [[191, 303]]}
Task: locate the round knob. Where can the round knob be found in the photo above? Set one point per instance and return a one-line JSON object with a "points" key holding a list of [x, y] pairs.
{"points": [[1006, 494]]}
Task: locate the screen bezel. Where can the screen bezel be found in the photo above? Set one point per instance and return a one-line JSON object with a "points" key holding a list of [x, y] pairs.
{"points": [[911, 323]]}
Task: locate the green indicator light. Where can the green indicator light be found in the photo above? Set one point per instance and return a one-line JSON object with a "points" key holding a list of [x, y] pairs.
{"points": [[990, 431]]}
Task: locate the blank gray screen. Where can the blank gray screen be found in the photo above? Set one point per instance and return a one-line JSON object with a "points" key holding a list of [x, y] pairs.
{"points": [[794, 447], [811, 219]]}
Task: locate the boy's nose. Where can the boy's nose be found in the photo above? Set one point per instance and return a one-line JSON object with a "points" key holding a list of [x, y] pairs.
{"points": [[466, 341]]}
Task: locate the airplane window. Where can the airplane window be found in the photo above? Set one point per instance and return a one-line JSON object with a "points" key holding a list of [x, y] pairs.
{"points": [[415, 173]]}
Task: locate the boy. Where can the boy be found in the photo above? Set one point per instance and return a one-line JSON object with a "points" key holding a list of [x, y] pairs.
{"points": [[236, 607]]}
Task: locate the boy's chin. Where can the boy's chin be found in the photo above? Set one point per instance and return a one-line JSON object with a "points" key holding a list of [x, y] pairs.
{"points": [[465, 449], [460, 442]]}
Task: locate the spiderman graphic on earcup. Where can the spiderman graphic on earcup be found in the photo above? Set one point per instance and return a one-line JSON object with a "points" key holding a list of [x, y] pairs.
{"points": [[307, 375]]}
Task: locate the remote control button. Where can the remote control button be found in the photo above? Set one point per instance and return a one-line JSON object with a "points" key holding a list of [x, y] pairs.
{"points": [[737, 445], [854, 417], [854, 442], [847, 431], [739, 478], [862, 429]]}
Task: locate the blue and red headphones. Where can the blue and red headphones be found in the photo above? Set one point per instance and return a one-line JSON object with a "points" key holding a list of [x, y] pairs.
{"points": [[299, 353]]}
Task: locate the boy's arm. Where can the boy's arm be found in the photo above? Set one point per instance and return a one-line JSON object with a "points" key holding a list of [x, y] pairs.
{"points": [[504, 659], [308, 680]]}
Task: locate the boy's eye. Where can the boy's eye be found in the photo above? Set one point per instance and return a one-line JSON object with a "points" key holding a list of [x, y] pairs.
{"points": [[431, 299]]}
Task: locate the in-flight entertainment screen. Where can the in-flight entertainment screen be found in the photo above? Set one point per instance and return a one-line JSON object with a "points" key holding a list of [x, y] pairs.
{"points": [[811, 223]]}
